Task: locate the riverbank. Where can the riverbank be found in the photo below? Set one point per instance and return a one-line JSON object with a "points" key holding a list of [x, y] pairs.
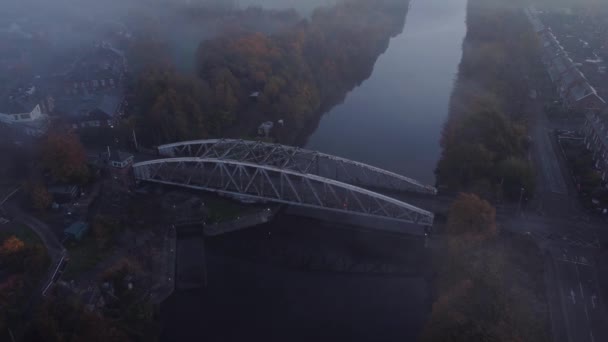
{"points": [[490, 288]]}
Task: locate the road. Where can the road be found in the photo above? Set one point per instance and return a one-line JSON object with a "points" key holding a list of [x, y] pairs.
{"points": [[550, 171], [570, 239], [583, 313]]}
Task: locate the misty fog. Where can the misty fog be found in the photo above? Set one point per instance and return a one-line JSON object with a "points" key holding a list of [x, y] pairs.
{"points": [[303, 170]]}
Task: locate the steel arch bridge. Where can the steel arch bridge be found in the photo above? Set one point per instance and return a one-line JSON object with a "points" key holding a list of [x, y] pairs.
{"points": [[290, 158], [281, 184]]}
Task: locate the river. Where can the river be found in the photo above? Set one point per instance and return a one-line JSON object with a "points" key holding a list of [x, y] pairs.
{"points": [[394, 119], [304, 280]]}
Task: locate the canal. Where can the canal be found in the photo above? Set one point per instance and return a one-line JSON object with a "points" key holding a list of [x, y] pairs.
{"points": [[394, 119], [298, 279]]}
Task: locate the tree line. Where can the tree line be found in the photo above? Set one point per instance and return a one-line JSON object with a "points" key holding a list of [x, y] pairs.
{"points": [[485, 138]]}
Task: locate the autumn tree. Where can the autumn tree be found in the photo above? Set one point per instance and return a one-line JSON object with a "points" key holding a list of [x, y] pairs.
{"points": [[20, 257], [172, 106], [64, 157], [12, 245], [470, 215], [11, 254]]}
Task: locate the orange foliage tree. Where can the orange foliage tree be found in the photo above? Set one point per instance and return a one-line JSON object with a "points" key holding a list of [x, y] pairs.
{"points": [[12, 245], [471, 215]]}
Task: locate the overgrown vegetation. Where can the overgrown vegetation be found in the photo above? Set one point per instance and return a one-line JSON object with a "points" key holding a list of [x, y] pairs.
{"points": [[485, 140]]}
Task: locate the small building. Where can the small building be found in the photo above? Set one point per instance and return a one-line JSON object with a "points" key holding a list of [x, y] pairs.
{"points": [[120, 160], [25, 111], [77, 230]]}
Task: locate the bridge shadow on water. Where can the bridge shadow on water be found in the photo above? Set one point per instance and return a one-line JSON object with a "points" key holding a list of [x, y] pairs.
{"points": [[300, 279]]}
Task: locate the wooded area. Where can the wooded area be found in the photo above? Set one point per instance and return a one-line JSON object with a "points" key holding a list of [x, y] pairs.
{"points": [[296, 74]]}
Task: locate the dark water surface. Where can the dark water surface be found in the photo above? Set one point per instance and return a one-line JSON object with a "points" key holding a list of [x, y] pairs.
{"points": [[394, 119], [298, 279]]}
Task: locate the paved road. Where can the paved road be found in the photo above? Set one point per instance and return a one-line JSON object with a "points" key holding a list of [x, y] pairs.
{"points": [[570, 240], [578, 290], [560, 231], [550, 171]]}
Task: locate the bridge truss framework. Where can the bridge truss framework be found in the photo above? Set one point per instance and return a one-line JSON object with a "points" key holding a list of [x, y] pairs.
{"points": [[281, 184], [295, 159]]}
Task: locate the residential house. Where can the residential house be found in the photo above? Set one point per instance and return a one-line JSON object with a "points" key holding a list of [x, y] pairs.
{"points": [[101, 69], [92, 110], [572, 86], [21, 110]]}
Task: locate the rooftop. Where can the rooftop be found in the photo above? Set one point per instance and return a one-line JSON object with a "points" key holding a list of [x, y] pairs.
{"points": [[569, 80]]}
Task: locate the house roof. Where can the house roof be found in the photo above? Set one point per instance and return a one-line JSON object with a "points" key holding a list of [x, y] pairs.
{"points": [[100, 64], [569, 80], [84, 105]]}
